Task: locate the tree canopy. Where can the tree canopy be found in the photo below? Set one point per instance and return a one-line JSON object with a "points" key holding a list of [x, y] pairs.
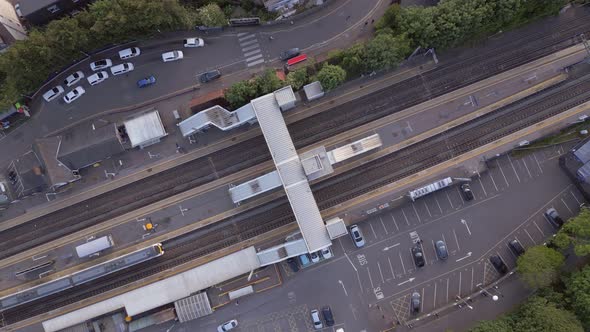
{"points": [[330, 76], [578, 289], [240, 93], [576, 233], [539, 266], [540, 315], [211, 15], [298, 78]]}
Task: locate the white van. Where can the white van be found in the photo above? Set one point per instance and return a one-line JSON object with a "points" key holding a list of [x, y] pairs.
{"points": [[122, 68], [129, 53]]}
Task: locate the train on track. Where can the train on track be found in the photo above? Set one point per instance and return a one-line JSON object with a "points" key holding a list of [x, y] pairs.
{"points": [[81, 277]]}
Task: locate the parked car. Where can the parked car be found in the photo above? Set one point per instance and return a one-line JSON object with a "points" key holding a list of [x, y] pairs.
{"points": [[18, 11], [441, 250], [418, 255], [101, 64], [194, 42], [554, 217], [499, 264], [516, 247], [288, 54], [142, 83], [129, 53], [53, 93], [415, 303], [96, 78], [74, 78], [293, 264], [314, 257], [315, 318], [74, 94], [357, 236], [172, 56], [304, 260], [466, 191], [326, 253], [210, 76], [227, 326], [122, 68], [328, 317]]}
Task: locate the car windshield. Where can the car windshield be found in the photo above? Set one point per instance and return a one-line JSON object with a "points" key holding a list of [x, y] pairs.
{"points": [[100, 62]]}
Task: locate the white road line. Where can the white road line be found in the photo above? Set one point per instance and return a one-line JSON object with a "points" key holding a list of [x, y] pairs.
{"points": [[425, 258], [413, 261], [242, 34], [472, 271], [246, 37], [530, 237], [460, 281], [255, 63], [539, 228], [373, 229], [381, 273], [449, 198], [437, 203], [427, 209], [516, 238], [401, 260], [482, 187], [252, 58], [249, 42], [416, 212], [422, 302], [434, 248], [567, 207], [358, 276], [574, 196], [383, 224], [404, 213], [252, 52], [456, 240], [485, 263], [445, 240], [370, 279], [527, 168], [501, 257], [394, 222], [460, 195], [510, 251], [502, 171], [447, 289], [513, 169], [354, 267], [251, 47], [434, 301], [493, 181], [538, 164], [391, 267]]}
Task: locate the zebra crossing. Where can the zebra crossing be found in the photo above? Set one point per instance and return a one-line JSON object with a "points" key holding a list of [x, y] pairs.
{"points": [[250, 48]]}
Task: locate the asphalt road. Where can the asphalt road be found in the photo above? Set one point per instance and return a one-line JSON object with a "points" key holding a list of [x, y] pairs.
{"points": [[369, 288]]}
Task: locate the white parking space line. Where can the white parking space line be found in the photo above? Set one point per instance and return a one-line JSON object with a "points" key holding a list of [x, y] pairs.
{"points": [[538, 164], [513, 169], [434, 248], [394, 222], [445, 240], [472, 272], [437, 203], [434, 301], [354, 267], [424, 254], [251, 47], [383, 224], [493, 181], [381, 273], [402, 261], [516, 238], [501, 256], [530, 237], [422, 302], [456, 240], [539, 228], [370, 278], [460, 195], [449, 198], [416, 212], [482, 187], [567, 207], [250, 64], [527, 168], [460, 281], [391, 268], [510, 251], [447, 289], [502, 171], [404, 213], [373, 229], [574, 196], [427, 209], [413, 261]]}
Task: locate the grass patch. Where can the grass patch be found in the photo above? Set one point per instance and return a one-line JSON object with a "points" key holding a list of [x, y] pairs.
{"points": [[569, 134]]}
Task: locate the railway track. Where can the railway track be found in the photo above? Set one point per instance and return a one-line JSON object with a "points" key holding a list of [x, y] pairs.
{"points": [[333, 191], [455, 74]]}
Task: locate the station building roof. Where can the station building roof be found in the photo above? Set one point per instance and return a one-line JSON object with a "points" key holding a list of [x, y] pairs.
{"points": [[145, 129], [582, 153], [219, 117], [57, 173]]}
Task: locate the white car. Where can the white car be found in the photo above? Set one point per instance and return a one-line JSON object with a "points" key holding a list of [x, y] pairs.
{"points": [[53, 93], [18, 11], [227, 326], [129, 53], [96, 78], [74, 78], [74, 94], [194, 42], [101, 64], [326, 253], [172, 56], [315, 318], [122, 68]]}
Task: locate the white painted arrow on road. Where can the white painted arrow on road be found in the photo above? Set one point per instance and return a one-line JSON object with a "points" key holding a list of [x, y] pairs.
{"points": [[464, 222], [405, 282], [466, 256], [393, 246]]}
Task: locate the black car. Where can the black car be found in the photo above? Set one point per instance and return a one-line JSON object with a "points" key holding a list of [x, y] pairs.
{"points": [[328, 317], [293, 264], [418, 255], [415, 303], [466, 191], [499, 264], [516, 247], [288, 54], [210, 76]]}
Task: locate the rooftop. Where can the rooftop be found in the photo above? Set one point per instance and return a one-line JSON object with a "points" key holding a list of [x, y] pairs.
{"points": [[85, 145]]}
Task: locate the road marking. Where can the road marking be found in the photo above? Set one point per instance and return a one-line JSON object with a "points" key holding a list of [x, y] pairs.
{"points": [[246, 37], [424, 254], [422, 302], [527, 168], [539, 228], [482, 187], [460, 195], [373, 230], [413, 261], [449, 198], [530, 237], [393, 246], [447, 289], [502, 171], [381, 273], [434, 302], [514, 169], [354, 267], [343, 288], [456, 240], [510, 251], [434, 248], [464, 222], [255, 63], [405, 282], [437, 203], [404, 213], [394, 222], [501, 257], [567, 207], [391, 267], [252, 52], [402, 261], [445, 240], [251, 47], [579, 203], [252, 58], [538, 164], [472, 271], [242, 34], [427, 209], [383, 224], [464, 257], [246, 43], [493, 181], [416, 212], [460, 280], [370, 279], [516, 238]]}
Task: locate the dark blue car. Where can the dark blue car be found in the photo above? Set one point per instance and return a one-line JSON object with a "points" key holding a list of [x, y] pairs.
{"points": [[142, 83]]}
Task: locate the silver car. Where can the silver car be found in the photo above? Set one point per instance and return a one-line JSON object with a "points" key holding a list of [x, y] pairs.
{"points": [[441, 250], [315, 318], [357, 236]]}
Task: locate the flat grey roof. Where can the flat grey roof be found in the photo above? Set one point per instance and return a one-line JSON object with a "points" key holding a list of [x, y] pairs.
{"points": [[144, 128], [291, 172], [583, 153], [30, 6]]}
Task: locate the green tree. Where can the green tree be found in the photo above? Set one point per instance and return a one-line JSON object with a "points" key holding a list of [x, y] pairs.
{"points": [[240, 93], [576, 232], [578, 289], [352, 59], [267, 82], [389, 18], [211, 15], [539, 266], [297, 79], [331, 76], [497, 325], [385, 51], [539, 315]]}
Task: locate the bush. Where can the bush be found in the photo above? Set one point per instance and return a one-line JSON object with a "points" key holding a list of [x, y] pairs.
{"points": [[212, 16], [539, 266], [297, 79], [330, 76], [240, 93]]}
